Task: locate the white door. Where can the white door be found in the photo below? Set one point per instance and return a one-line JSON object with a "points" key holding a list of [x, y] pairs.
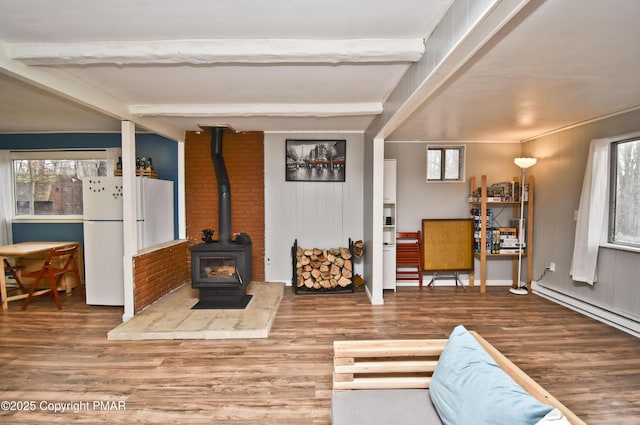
{"points": [[155, 211], [103, 256], [102, 198]]}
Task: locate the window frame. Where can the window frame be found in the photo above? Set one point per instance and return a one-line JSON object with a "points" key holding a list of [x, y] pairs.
{"points": [[49, 154], [613, 183], [461, 162]]}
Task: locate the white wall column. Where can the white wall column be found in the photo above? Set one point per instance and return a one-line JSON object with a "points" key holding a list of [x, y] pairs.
{"points": [[377, 247], [129, 201], [182, 202]]}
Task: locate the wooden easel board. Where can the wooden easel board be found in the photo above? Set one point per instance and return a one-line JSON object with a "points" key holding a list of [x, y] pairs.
{"points": [[447, 244]]}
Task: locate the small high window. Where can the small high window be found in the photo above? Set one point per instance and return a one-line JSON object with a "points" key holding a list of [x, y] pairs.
{"points": [[445, 163]]}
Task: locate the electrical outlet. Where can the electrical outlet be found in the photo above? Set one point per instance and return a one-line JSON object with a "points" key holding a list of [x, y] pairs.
{"points": [[552, 267]]}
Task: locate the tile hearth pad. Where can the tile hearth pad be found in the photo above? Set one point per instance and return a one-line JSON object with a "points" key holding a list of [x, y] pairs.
{"points": [[171, 317]]}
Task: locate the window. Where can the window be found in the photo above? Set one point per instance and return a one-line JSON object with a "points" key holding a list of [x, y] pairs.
{"points": [[50, 183], [624, 213], [445, 163]]}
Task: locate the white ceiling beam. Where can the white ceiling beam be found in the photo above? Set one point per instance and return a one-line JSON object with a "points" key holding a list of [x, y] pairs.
{"points": [[61, 84], [259, 109], [199, 52], [413, 92]]}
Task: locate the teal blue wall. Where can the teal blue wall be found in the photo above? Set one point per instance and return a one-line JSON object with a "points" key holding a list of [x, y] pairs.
{"points": [[164, 153], [25, 232]]}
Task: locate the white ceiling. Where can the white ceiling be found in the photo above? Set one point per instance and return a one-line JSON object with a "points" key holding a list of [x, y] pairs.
{"points": [[308, 65], [558, 63]]}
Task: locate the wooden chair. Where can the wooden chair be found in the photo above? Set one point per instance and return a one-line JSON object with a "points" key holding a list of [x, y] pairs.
{"points": [[409, 256], [50, 271], [12, 272]]}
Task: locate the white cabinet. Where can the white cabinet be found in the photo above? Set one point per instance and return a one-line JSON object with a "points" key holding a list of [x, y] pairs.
{"points": [[389, 267], [389, 225], [389, 194], [389, 206]]}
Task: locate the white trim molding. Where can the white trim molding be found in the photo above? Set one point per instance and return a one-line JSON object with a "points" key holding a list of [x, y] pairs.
{"points": [[600, 314]]}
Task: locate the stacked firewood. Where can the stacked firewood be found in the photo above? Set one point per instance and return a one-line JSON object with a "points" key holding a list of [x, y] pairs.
{"points": [[323, 269]]}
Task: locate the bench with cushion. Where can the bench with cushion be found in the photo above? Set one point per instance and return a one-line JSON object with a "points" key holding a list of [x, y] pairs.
{"points": [[462, 380]]}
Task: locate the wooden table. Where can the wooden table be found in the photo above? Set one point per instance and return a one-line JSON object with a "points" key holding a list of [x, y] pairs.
{"points": [[23, 249]]}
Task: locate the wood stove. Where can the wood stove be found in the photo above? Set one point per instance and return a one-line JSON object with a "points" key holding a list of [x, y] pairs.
{"points": [[221, 270], [221, 273]]}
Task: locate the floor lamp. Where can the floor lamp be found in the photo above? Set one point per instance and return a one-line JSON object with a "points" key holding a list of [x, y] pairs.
{"points": [[523, 163]]}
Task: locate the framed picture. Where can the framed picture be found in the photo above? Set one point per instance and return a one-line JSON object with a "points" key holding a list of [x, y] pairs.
{"points": [[316, 160]]}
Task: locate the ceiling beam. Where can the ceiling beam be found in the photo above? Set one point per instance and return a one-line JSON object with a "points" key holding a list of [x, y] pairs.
{"points": [[416, 88], [61, 84], [259, 110], [200, 52]]}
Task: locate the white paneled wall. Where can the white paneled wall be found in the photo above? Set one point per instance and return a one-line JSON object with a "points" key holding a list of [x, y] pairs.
{"points": [[322, 214]]}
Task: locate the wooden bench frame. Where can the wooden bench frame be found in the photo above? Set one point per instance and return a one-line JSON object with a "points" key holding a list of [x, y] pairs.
{"points": [[409, 364]]}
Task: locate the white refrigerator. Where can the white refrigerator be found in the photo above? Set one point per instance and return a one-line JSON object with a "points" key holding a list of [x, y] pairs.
{"points": [[103, 231]]}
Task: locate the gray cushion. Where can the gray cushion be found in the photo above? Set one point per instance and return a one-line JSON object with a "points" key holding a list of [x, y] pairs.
{"points": [[383, 407]]}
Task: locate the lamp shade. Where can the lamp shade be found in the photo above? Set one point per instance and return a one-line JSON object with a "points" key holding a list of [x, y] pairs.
{"points": [[525, 163]]}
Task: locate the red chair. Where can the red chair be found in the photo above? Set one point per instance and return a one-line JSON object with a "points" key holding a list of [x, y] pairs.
{"points": [[51, 271], [409, 256]]}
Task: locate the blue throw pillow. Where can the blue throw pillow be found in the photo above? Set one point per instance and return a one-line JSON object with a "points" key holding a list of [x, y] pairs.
{"points": [[468, 387]]}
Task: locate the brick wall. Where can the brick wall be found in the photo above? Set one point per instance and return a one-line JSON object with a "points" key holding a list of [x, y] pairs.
{"points": [[244, 158], [158, 273]]}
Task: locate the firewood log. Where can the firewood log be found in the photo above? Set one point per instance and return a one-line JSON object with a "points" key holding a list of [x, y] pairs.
{"points": [[344, 253], [348, 265], [358, 249], [344, 281]]}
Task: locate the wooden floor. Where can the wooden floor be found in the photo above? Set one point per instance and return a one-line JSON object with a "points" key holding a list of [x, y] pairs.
{"points": [[49, 356]]}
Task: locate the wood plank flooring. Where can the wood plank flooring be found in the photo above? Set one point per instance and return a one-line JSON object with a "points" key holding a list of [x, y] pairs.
{"points": [[63, 356]]}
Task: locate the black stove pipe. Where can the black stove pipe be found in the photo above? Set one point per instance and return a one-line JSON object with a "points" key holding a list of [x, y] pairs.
{"points": [[224, 186]]}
